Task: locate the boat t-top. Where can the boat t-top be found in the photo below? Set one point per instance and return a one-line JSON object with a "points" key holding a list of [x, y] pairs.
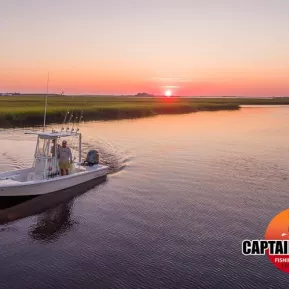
{"points": [[44, 175]]}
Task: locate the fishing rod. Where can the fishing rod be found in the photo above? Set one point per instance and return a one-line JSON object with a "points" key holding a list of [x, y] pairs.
{"points": [[71, 116], [64, 121], [65, 117], [45, 108], [80, 118], [75, 121], [75, 136]]}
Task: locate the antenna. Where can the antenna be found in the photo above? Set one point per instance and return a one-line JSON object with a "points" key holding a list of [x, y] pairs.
{"points": [[45, 108]]}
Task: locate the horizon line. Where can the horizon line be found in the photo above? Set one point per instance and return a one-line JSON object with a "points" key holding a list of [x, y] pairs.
{"points": [[134, 95]]}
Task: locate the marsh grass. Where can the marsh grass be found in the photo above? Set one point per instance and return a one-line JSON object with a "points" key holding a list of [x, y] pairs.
{"points": [[25, 110]]}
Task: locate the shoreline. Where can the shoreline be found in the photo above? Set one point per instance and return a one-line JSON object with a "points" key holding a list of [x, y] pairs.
{"points": [[28, 110]]}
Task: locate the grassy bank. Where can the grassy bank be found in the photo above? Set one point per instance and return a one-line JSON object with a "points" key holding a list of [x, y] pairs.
{"points": [[26, 110]]}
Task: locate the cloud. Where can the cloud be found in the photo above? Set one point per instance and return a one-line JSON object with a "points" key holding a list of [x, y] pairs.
{"points": [[170, 86], [171, 79]]}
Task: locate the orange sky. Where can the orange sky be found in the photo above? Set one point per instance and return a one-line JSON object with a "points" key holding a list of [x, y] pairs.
{"points": [[124, 47]]}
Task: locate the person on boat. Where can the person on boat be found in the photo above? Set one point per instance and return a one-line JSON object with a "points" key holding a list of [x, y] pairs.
{"points": [[65, 158], [53, 148]]}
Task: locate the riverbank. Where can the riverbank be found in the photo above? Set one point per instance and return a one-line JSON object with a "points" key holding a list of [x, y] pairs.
{"points": [[27, 110]]}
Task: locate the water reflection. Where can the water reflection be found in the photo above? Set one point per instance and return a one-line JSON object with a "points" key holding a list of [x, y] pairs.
{"points": [[53, 223]]}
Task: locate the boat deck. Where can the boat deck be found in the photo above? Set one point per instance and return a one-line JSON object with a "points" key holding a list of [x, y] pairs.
{"points": [[9, 182]]}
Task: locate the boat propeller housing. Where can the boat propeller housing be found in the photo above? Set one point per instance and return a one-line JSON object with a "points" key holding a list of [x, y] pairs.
{"points": [[92, 158]]}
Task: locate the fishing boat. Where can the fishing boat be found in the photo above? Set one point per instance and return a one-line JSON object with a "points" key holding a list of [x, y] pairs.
{"points": [[44, 176]]}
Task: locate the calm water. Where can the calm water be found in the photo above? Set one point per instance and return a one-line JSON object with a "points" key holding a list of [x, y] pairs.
{"points": [[185, 190]]}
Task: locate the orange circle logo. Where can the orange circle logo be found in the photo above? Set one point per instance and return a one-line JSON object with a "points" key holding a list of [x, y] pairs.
{"points": [[278, 229]]}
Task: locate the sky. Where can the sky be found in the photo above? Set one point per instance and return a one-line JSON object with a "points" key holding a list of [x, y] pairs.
{"points": [[187, 47]]}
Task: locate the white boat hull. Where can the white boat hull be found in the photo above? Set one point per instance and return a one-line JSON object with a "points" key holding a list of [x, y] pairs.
{"points": [[10, 187]]}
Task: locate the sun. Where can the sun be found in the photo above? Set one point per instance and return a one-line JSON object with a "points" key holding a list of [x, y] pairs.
{"points": [[168, 93]]}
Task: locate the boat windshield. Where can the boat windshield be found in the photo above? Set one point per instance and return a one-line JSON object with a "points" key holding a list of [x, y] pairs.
{"points": [[43, 147], [45, 164]]}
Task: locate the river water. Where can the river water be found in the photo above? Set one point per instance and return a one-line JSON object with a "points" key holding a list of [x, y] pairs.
{"points": [[183, 193]]}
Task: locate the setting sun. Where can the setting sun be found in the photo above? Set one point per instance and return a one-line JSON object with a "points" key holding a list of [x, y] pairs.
{"points": [[168, 93]]}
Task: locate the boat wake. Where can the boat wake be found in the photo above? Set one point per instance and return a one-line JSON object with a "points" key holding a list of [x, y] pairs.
{"points": [[109, 156], [13, 162], [10, 159]]}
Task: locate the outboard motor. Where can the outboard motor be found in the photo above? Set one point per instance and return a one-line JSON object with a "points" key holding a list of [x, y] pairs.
{"points": [[92, 158]]}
